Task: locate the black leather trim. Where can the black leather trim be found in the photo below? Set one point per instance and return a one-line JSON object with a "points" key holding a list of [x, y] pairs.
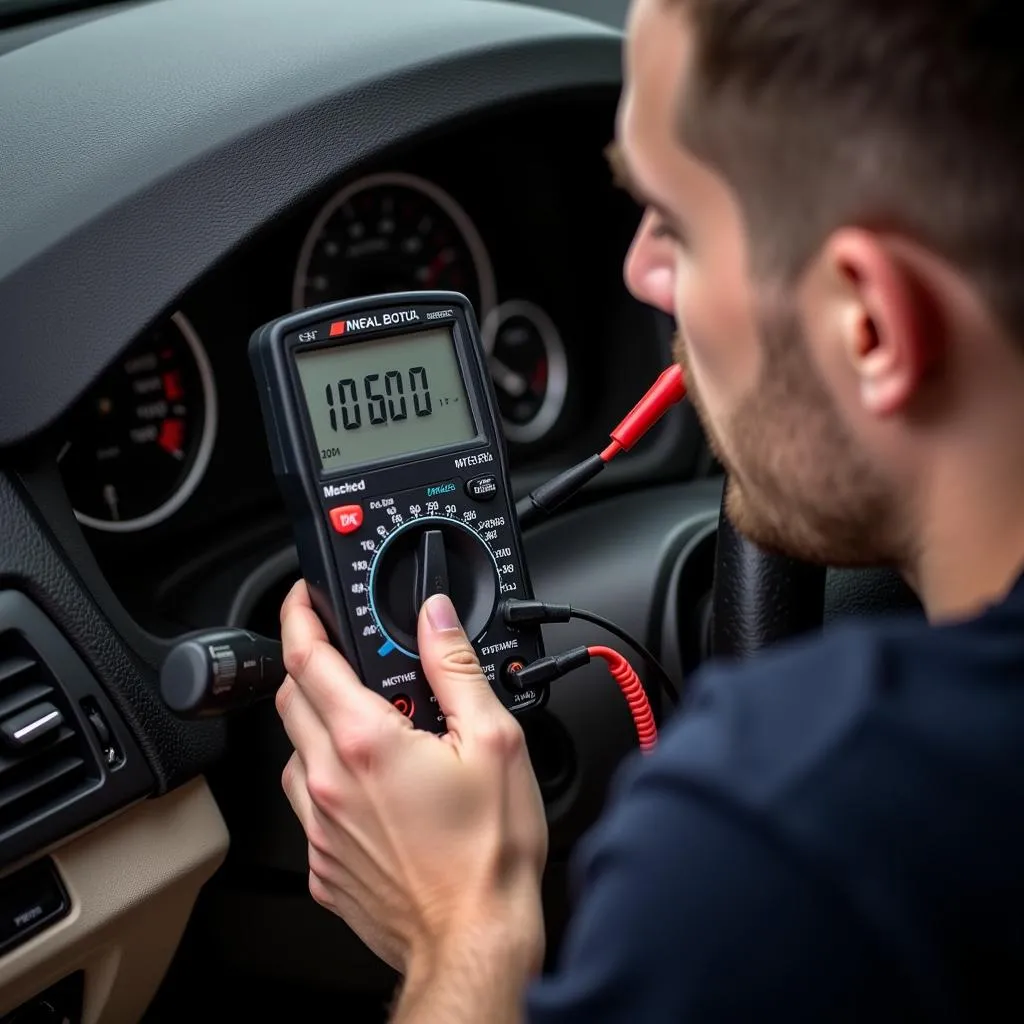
{"points": [[760, 597]]}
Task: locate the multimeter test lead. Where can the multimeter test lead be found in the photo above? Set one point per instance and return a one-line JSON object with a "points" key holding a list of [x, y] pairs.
{"points": [[666, 391]]}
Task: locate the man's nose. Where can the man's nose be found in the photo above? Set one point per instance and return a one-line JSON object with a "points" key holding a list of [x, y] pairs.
{"points": [[649, 269]]}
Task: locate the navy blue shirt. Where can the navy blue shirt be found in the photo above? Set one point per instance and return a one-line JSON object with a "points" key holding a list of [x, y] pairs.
{"points": [[831, 832]]}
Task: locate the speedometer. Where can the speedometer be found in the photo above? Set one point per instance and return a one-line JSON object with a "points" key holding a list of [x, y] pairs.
{"points": [[392, 232], [139, 442]]}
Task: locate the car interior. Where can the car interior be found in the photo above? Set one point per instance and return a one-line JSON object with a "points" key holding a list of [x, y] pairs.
{"points": [[173, 175]]}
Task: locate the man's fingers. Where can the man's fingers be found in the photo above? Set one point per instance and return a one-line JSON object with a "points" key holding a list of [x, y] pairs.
{"points": [[298, 597], [293, 782], [452, 668], [308, 734], [332, 688]]}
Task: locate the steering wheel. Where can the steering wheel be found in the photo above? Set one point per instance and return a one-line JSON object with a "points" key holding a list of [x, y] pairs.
{"points": [[760, 597]]}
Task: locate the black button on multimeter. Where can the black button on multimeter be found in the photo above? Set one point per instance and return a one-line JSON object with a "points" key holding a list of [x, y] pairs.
{"points": [[384, 437], [483, 488]]}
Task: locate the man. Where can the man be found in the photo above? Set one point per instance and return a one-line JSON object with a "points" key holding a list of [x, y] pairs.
{"points": [[835, 830]]}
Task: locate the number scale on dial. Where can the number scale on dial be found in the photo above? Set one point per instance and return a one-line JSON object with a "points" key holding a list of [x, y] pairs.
{"points": [[378, 568]]}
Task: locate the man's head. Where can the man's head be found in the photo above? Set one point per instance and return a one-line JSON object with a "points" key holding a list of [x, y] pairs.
{"points": [[831, 191]]}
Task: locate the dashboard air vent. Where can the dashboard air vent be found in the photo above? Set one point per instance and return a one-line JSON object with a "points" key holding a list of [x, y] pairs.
{"points": [[44, 758]]}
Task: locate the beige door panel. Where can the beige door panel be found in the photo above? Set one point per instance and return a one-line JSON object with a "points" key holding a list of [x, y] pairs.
{"points": [[132, 882]]}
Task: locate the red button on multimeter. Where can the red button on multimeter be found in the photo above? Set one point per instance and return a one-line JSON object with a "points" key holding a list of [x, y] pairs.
{"points": [[404, 704], [347, 518]]}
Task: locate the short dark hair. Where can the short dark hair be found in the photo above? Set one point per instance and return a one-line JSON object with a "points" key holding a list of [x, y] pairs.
{"points": [[898, 114]]}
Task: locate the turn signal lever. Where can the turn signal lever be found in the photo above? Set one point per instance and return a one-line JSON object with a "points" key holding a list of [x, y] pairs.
{"points": [[213, 673]]}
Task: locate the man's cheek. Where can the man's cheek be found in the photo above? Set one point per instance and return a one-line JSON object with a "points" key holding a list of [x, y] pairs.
{"points": [[696, 318], [701, 359], [706, 405], [719, 319]]}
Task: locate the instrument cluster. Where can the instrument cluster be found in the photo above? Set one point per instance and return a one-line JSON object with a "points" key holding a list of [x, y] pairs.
{"points": [[531, 230], [139, 443]]}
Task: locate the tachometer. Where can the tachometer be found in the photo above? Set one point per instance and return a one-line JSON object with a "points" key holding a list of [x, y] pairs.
{"points": [[392, 232], [140, 440]]}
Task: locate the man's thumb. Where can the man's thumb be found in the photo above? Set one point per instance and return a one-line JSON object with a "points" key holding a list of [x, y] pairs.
{"points": [[451, 664]]}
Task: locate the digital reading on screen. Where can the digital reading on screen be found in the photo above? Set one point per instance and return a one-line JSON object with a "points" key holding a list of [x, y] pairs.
{"points": [[386, 397]]}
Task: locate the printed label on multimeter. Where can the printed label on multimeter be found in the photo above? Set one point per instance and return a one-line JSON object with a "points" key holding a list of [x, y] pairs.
{"points": [[384, 434]]}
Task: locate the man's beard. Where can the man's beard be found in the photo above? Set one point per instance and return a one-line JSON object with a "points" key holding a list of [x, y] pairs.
{"points": [[798, 484]]}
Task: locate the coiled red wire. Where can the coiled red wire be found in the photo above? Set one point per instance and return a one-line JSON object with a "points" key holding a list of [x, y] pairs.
{"points": [[632, 689]]}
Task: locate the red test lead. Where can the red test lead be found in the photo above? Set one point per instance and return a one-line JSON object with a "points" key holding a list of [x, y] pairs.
{"points": [[666, 391], [554, 666], [669, 388], [636, 700]]}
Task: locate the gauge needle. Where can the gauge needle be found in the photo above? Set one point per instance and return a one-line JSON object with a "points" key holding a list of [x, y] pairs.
{"points": [[110, 497], [507, 379]]}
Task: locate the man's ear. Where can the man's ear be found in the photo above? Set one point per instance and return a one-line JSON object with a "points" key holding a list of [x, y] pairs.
{"points": [[889, 326]]}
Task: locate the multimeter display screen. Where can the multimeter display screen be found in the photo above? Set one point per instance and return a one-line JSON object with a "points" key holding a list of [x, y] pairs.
{"points": [[385, 398]]}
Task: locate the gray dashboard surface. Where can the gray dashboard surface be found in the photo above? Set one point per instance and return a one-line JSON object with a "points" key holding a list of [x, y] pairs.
{"points": [[140, 148], [610, 12], [32, 31]]}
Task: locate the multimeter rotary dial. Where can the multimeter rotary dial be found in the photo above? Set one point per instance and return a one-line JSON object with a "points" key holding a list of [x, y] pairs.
{"points": [[425, 556]]}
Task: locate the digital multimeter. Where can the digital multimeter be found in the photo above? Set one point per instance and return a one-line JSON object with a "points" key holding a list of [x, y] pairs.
{"points": [[384, 437]]}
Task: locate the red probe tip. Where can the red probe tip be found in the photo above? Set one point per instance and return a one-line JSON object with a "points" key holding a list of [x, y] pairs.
{"points": [[666, 391]]}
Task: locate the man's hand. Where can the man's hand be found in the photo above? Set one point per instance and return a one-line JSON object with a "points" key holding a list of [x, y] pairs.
{"points": [[429, 847]]}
